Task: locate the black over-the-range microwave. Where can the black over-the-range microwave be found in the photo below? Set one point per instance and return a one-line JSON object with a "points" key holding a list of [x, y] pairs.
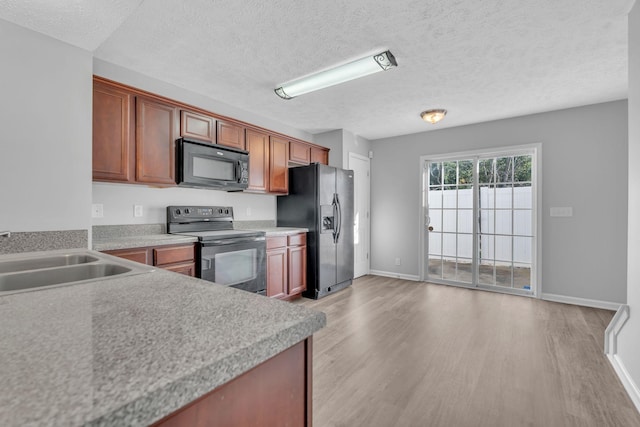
{"points": [[205, 165]]}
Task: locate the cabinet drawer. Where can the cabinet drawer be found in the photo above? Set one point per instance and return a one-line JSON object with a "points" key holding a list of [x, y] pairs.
{"points": [[137, 255], [172, 255], [298, 239], [276, 242]]}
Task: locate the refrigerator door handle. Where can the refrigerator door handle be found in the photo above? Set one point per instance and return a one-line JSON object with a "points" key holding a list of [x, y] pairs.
{"points": [[339, 226]]}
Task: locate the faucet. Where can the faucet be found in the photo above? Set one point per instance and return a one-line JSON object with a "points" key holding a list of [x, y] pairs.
{"points": [[5, 234]]}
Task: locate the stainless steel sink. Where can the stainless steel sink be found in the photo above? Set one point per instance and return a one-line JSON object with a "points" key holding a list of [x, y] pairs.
{"points": [[46, 277], [46, 262], [38, 270]]}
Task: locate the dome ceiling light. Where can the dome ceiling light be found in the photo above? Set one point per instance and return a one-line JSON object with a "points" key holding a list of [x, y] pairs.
{"points": [[433, 116]]}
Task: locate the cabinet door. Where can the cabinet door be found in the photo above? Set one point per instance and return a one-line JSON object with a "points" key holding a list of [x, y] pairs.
{"points": [[194, 125], [140, 255], [113, 130], [258, 147], [277, 273], [297, 270], [319, 155], [188, 269], [299, 153], [156, 128], [231, 135], [278, 165]]}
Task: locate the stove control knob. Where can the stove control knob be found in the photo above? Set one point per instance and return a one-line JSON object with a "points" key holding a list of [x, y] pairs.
{"points": [[178, 212], [187, 211], [220, 211], [226, 211]]}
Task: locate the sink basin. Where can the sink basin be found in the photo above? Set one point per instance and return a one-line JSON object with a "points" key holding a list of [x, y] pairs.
{"points": [[47, 262], [40, 270], [43, 277]]}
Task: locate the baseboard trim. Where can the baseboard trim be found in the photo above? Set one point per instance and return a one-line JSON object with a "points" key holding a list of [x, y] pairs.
{"points": [[394, 275], [611, 333], [581, 301], [629, 385]]}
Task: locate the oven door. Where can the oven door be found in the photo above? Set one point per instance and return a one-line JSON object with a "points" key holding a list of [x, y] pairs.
{"points": [[236, 262]]}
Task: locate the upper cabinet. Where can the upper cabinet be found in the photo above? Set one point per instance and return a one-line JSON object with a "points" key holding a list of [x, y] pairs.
{"points": [[299, 153], [320, 155], [134, 134], [156, 129], [199, 126], [278, 165], [113, 134], [258, 148], [231, 135]]}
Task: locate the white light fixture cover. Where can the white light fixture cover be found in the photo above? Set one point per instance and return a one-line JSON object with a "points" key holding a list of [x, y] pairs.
{"points": [[433, 116], [333, 76]]}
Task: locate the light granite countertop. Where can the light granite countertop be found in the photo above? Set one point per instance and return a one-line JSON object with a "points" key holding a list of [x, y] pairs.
{"points": [[129, 351]]}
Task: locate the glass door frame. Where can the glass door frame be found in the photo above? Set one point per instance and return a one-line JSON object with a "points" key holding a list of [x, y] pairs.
{"points": [[536, 168]]}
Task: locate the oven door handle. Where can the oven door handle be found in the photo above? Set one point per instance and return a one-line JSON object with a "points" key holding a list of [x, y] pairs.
{"points": [[223, 242]]}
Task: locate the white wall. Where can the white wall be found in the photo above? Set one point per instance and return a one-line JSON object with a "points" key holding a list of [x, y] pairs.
{"points": [[118, 200], [342, 142], [584, 153], [629, 338], [45, 152]]}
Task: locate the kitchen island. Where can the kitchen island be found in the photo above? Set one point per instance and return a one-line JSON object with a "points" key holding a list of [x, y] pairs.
{"points": [[131, 351]]}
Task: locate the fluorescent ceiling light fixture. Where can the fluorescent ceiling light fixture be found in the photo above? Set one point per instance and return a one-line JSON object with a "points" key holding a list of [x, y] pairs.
{"points": [[333, 76], [433, 116]]}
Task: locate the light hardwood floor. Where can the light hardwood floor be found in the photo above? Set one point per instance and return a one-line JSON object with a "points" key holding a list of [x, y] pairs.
{"points": [[401, 353]]}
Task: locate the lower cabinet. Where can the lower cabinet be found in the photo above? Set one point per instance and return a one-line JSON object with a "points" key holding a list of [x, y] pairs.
{"points": [[287, 266], [277, 392], [176, 258]]}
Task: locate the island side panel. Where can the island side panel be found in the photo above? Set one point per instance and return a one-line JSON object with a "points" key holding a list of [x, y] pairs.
{"points": [[277, 392]]}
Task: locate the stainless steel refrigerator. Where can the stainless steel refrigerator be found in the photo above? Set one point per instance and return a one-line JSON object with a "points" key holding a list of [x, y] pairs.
{"points": [[321, 199]]}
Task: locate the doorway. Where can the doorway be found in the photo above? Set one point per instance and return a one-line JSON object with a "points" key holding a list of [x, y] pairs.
{"points": [[480, 220], [361, 221]]}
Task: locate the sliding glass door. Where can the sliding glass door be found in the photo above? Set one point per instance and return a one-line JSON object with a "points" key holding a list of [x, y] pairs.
{"points": [[480, 221]]}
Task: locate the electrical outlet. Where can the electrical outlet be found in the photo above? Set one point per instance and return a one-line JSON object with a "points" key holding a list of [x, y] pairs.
{"points": [[248, 211], [398, 261], [137, 211], [97, 210]]}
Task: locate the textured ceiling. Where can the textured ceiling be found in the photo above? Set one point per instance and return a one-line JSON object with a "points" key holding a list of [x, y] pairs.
{"points": [[481, 60]]}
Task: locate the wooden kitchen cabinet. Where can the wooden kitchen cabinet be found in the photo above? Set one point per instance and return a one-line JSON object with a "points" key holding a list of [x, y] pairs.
{"points": [[198, 126], [231, 135], [278, 165], [156, 125], [297, 259], [176, 258], [287, 266], [320, 155], [258, 148], [277, 271], [278, 392], [113, 134], [299, 153]]}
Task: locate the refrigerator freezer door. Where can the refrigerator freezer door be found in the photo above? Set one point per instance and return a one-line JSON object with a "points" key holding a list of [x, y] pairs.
{"points": [[344, 245]]}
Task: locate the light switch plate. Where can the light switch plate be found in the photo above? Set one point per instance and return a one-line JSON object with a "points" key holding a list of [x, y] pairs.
{"points": [[137, 211], [561, 211]]}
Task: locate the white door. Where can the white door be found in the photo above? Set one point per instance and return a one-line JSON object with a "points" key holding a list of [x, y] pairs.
{"points": [[360, 166]]}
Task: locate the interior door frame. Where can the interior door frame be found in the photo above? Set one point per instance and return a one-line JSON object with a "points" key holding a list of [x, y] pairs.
{"points": [[368, 218], [536, 177]]}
